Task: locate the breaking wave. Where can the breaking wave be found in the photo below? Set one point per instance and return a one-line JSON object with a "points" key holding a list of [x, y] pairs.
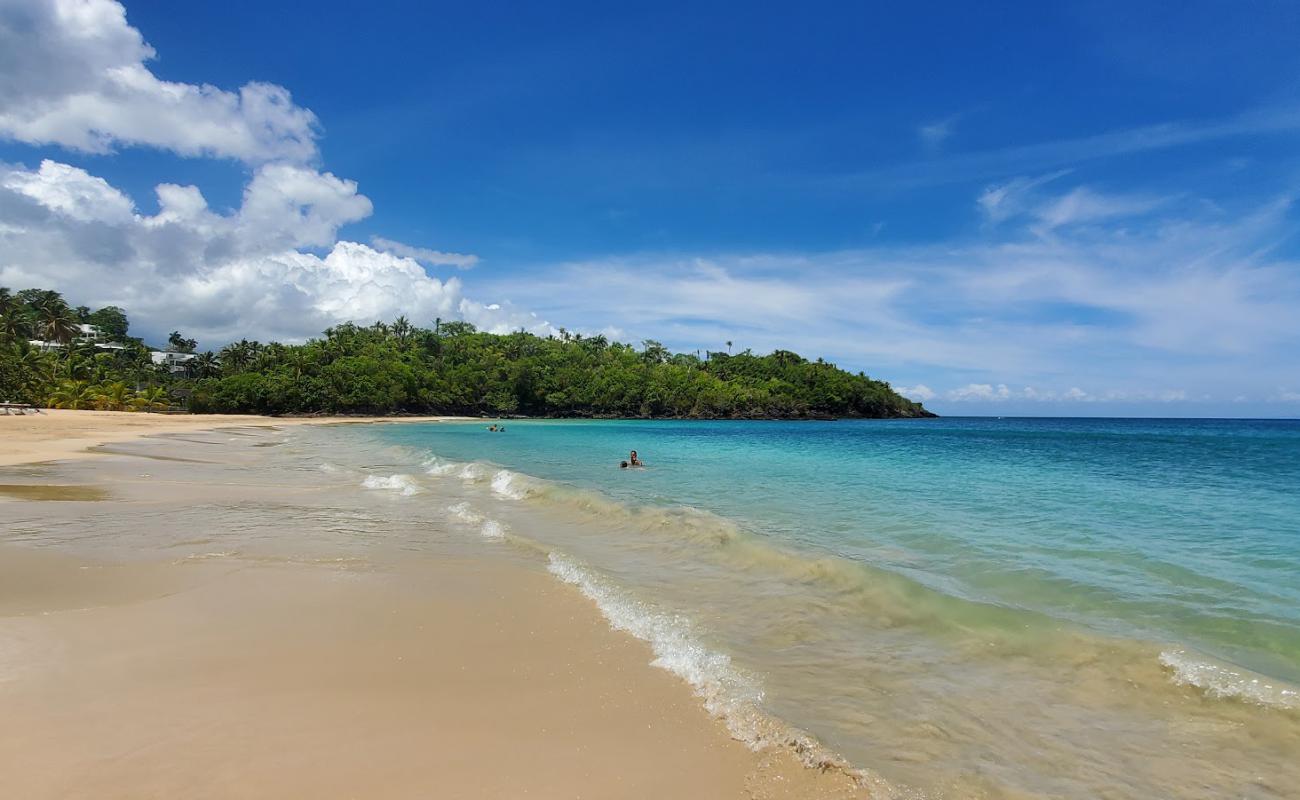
{"points": [[404, 485], [728, 692], [488, 528], [1226, 683]]}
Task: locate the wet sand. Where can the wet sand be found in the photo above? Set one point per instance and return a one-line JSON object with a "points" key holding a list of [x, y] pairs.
{"points": [[421, 676]]}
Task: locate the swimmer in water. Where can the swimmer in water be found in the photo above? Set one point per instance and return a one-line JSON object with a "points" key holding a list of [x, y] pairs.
{"points": [[634, 460]]}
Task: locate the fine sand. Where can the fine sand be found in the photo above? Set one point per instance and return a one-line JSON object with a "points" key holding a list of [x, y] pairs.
{"points": [[424, 677], [58, 433]]}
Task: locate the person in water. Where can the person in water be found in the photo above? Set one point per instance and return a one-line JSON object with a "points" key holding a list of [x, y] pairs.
{"points": [[622, 465], [634, 460]]}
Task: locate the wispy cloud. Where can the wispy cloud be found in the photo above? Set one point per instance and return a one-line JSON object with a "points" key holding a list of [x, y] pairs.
{"points": [[934, 134], [1050, 155], [424, 255], [1192, 300]]}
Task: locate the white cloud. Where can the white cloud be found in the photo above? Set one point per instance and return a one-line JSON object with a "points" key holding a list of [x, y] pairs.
{"points": [[1025, 198], [919, 392], [220, 276], [73, 73], [979, 391], [72, 192], [1191, 298], [1081, 205], [936, 133], [424, 254], [987, 392], [1005, 200], [1047, 155]]}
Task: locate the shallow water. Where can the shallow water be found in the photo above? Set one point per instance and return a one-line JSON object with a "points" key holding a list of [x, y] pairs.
{"points": [[1072, 608], [959, 608]]}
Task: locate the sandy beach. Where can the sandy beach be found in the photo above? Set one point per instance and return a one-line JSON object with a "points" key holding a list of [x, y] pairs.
{"points": [[56, 433], [138, 660]]}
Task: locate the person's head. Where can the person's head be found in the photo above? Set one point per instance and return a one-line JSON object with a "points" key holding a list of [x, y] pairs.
{"points": [[634, 455], [622, 465]]}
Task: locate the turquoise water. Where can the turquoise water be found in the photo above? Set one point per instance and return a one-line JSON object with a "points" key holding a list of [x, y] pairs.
{"points": [[958, 607], [1181, 530]]}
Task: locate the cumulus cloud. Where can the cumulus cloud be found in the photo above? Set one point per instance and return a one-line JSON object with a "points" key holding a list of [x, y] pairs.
{"points": [[990, 393], [74, 73], [424, 255], [919, 392], [979, 391], [221, 276]]}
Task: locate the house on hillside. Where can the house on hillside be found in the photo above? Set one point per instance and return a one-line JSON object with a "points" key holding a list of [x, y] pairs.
{"points": [[86, 334], [171, 359]]}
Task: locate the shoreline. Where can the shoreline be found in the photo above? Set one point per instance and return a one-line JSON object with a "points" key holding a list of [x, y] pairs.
{"points": [[210, 673], [57, 434]]}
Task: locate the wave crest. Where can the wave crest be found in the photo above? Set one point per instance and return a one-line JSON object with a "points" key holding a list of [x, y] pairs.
{"points": [[729, 693], [404, 485], [1225, 683]]}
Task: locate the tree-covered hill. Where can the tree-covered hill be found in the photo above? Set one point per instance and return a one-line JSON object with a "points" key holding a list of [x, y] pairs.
{"points": [[448, 369]]}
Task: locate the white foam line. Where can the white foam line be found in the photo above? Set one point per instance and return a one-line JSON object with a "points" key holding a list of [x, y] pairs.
{"points": [[488, 528], [728, 693], [402, 484], [1222, 682]]}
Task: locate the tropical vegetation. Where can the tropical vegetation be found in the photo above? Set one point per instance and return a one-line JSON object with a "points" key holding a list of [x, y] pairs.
{"points": [[398, 367]]}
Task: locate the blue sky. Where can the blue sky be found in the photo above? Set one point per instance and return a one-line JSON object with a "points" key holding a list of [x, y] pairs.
{"points": [[1081, 208]]}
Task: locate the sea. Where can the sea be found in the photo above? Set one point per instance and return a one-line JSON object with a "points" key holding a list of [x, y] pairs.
{"points": [[943, 608], [964, 607]]}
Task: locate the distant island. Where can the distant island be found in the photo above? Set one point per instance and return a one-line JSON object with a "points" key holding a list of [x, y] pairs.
{"points": [[55, 355]]}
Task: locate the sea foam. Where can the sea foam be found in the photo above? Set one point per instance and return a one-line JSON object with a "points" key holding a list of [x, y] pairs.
{"points": [[440, 466], [487, 528], [402, 484], [510, 485], [1223, 682]]}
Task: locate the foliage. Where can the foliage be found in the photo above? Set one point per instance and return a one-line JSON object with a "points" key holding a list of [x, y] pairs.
{"points": [[112, 323], [450, 368], [179, 344]]}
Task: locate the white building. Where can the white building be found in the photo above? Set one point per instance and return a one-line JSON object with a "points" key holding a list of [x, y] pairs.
{"points": [[172, 360], [86, 334]]}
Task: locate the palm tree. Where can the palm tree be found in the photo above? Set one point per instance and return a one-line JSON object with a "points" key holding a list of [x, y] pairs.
{"points": [[402, 330], [237, 356], [154, 398], [73, 394], [36, 369], [204, 365], [113, 396], [728, 347], [15, 319], [56, 321]]}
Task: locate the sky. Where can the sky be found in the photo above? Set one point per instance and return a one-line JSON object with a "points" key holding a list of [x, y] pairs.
{"points": [[1017, 208]]}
